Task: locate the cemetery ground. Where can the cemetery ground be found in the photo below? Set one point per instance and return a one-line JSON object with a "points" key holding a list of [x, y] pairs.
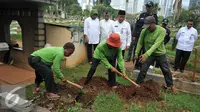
{"points": [[98, 97]]}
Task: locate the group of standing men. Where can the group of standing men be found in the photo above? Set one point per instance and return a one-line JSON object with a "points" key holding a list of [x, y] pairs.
{"points": [[146, 51]]}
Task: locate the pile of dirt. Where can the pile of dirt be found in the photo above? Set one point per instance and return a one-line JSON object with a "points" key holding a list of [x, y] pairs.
{"points": [[149, 90]]}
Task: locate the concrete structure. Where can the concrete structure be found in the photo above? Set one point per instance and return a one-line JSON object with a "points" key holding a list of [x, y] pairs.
{"points": [[57, 35], [185, 86], [35, 33], [29, 15]]}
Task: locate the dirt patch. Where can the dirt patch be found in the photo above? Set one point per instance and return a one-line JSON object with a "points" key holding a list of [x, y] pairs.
{"points": [[149, 90]]}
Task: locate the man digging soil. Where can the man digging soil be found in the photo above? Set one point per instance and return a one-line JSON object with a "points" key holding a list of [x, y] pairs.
{"points": [[107, 52], [42, 60], [152, 37]]}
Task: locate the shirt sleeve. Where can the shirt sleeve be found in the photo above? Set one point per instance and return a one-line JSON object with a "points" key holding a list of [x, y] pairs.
{"points": [[120, 61], [86, 27], [56, 66], [178, 34], [140, 42], [196, 35], [128, 39], [157, 43]]}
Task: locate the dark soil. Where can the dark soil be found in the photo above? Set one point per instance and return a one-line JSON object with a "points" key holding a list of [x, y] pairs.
{"points": [[148, 91]]}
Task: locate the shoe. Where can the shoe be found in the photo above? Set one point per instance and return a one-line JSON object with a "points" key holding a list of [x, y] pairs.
{"points": [[174, 69], [174, 90], [182, 71], [52, 96]]}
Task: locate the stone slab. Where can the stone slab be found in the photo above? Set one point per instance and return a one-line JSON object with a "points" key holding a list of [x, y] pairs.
{"points": [[185, 86]]}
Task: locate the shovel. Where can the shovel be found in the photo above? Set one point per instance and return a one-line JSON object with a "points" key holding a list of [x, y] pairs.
{"points": [[78, 86], [127, 78]]}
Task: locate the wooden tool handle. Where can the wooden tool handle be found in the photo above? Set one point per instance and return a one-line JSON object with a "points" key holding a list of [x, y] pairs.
{"points": [[127, 78], [134, 64], [74, 84]]}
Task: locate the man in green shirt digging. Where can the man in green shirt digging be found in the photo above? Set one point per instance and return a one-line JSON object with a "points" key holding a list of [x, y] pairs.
{"points": [[42, 60], [107, 52], [152, 37]]}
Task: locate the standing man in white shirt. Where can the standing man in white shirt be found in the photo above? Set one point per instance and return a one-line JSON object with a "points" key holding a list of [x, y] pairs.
{"points": [[186, 37], [123, 28], [106, 26], [91, 33]]}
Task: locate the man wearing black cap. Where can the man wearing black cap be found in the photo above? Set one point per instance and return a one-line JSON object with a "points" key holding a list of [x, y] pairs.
{"points": [[167, 36], [152, 38], [123, 28], [139, 24]]}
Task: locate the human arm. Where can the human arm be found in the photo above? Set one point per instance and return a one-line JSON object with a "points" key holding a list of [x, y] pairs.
{"points": [[56, 66], [140, 42]]}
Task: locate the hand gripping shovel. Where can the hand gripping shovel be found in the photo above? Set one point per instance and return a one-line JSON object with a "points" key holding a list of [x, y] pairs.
{"points": [[127, 78], [78, 86]]}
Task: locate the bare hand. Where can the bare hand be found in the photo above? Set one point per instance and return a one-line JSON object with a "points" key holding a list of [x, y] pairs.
{"points": [[127, 47], [142, 59], [136, 58], [134, 38], [64, 79], [86, 39], [113, 69]]}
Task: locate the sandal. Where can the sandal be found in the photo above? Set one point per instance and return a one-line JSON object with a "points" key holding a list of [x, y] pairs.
{"points": [[52, 96]]}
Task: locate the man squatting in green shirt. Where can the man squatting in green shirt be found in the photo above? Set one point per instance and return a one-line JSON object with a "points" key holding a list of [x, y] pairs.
{"points": [[107, 52], [152, 37], [42, 60]]}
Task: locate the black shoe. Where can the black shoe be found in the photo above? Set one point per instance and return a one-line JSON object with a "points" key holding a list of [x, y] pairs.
{"points": [[182, 71]]}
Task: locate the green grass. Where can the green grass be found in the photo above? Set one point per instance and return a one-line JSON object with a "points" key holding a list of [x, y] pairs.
{"points": [[17, 36], [182, 101], [108, 103]]}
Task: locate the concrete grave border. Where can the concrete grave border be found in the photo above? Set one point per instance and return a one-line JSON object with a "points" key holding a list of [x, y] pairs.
{"points": [[184, 86]]}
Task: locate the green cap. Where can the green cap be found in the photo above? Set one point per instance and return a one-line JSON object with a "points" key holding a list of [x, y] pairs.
{"points": [[93, 11]]}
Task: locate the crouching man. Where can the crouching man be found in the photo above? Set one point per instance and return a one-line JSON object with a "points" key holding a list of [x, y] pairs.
{"points": [[42, 60], [152, 37], [107, 52]]}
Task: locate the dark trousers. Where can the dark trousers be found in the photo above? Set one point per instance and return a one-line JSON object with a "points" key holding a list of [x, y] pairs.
{"points": [[111, 75], [164, 65], [181, 59], [138, 64], [43, 72], [90, 51], [130, 50]]}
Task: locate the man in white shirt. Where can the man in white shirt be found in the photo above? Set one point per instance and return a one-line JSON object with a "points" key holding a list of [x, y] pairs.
{"points": [[106, 26], [91, 33], [123, 28], [186, 37]]}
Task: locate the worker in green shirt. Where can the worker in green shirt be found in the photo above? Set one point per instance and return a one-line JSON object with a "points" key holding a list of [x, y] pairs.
{"points": [[107, 52], [152, 37], [42, 60]]}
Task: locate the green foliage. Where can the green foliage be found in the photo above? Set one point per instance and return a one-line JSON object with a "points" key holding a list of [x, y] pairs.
{"points": [[108, 103], [101, 8], [75, 9], [17, 36], [156, 8], [160, 18]]}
